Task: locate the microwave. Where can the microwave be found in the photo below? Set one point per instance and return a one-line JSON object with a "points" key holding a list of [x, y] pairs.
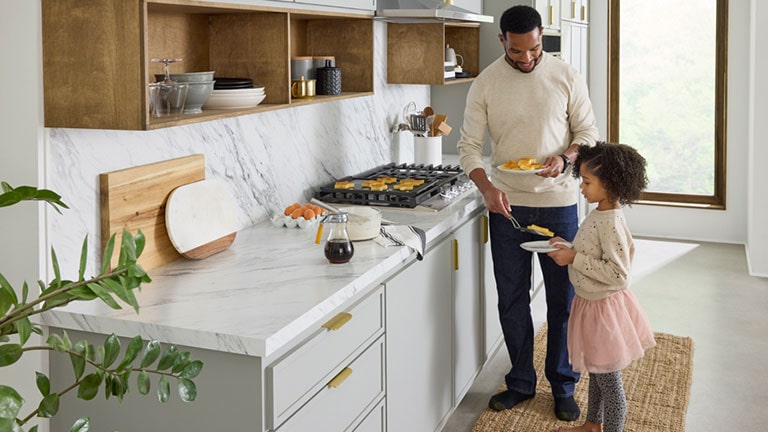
{"points": [[551, 43]]}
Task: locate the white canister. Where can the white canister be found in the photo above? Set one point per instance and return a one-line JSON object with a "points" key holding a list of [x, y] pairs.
{"points": [[428, 150]]}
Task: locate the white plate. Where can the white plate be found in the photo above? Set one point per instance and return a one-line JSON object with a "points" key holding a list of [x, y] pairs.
{"points": [[519, 171], [542, 246], [248, 91]]}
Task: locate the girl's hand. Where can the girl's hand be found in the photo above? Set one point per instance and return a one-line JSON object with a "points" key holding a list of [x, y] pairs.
{"points": [[564, 254]]}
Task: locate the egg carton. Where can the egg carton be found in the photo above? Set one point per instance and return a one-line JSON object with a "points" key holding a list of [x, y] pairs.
{"points": [[279, 221]]}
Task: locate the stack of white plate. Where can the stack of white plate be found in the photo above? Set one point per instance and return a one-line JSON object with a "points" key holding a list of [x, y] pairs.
{"points": [[235, 98]]}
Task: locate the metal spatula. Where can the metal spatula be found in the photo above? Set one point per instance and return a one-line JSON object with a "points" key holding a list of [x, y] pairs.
{"points": [[519, 227]]}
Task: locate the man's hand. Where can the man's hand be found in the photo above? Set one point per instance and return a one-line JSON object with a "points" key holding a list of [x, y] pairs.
{"points": [[495, 200]]}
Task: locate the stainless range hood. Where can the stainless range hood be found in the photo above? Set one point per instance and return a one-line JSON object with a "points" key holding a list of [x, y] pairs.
{"points": [[426, 11]]}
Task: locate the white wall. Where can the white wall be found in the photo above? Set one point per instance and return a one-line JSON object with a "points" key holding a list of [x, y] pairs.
{"points": [[727, 226], [757, 229], [21, 144]]}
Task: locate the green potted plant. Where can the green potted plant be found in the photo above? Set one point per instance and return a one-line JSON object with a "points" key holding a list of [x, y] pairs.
{"points": [[107, 365]]}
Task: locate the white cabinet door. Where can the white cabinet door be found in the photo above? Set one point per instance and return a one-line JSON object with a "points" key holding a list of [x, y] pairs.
{"points": [[418, 333], [468, 351], [550, 13], [574, 46], [492, 334], [575, 10]]}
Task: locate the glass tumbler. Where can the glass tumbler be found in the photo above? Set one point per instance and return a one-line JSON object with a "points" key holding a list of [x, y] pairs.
{"points": [[167, 99]]}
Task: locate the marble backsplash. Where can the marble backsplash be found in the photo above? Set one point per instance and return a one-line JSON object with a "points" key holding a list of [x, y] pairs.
{"points": [[269, 159]]}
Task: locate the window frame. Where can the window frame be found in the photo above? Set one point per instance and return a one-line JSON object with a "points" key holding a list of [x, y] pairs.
{"points": [[717, 200]]}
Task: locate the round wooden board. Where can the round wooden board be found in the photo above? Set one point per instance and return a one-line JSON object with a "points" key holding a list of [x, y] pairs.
{"points": [[201, 218]]}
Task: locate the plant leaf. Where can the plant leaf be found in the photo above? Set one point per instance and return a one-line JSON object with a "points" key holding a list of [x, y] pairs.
{"points": [[49, 406], [89, 386], [10, 404], [163, 389], [81, 425], [192, 370], [78, 361], [56, 271], [131, 352], [121, 293], [181, 362], [104, 295], [107, 256], [151, 352], [143, 383], [24, 327], [43, 383], [111, 350], [187, 390], [168, 358], [9, 354], [56, 342], [83, 259]]}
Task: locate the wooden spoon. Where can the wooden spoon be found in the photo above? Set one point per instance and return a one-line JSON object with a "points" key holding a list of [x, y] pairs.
{"points": [[428, 111]]}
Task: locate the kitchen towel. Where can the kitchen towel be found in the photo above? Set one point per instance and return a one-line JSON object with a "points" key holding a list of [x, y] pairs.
{"points": [[403, 235]]}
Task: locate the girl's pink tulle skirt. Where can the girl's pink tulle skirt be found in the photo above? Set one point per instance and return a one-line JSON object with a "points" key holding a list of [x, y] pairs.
{"points": [[607, 335]]}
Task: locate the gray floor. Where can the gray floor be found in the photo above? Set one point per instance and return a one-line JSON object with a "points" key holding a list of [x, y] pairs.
{"points": [[700, 290]]}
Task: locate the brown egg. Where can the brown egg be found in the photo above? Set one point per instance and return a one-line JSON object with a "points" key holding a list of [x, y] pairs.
{"points": [[291, 208], [297, 213], [308, 213]]}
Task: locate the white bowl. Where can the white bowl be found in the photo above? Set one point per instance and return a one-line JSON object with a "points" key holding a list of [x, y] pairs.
{"points": [[364, 222], [188, 76], [217, 102], [198, 94]]}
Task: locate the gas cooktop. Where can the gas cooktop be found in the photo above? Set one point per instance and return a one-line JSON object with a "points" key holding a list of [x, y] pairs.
{"points": [[392, 185]]}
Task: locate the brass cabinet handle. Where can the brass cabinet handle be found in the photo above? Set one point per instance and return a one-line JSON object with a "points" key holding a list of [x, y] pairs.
{"points": [[485, 229], [551, 14], [338, 321], [340, 377], [455, 254], [573, 10], [583, 12]]}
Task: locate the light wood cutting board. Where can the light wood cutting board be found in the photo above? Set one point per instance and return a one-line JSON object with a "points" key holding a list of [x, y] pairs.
{"points": [[135, 198]]}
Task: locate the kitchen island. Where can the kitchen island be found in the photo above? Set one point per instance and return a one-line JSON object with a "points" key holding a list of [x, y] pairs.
{"points": [[258, 315]]}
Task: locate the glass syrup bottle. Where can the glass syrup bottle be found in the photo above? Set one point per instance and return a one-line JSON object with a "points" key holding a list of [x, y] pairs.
{"points": [[338, 246]]}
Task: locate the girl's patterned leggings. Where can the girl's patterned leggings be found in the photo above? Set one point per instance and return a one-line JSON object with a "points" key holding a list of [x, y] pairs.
{"points": [[607, 403]]}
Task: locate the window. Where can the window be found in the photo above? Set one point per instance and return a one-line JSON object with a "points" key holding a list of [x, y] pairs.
{"points": [[667, 95]]}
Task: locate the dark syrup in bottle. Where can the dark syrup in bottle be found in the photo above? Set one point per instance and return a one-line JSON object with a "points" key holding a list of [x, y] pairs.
{"points": [[339, 251]]}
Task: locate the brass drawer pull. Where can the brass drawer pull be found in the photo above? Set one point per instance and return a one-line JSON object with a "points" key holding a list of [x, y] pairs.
{"points": [[338, 321], [340, 377]]}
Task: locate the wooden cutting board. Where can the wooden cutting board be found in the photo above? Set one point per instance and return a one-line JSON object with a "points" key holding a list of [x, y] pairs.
{"points": [[201, 218], [135, 198]]}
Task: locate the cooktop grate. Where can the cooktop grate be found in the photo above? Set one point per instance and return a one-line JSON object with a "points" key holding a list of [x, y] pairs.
{"points": [[435, 179]]}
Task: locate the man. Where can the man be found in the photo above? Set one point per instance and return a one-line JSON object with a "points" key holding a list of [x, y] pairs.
{"points": [[532, 105]]}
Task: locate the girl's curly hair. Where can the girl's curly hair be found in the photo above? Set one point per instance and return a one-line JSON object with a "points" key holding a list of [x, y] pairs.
{"points": [[620, 168]]}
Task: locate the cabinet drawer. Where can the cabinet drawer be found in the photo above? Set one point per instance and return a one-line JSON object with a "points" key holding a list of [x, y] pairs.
{"points": [[376, 420], [346, 397], [293, 379]]}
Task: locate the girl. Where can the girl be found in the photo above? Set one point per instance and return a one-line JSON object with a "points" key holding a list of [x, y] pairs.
{"points": [[607, 329]]}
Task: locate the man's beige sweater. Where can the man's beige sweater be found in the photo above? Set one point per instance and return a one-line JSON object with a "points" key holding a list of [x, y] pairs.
{"points": [[536, 114]]}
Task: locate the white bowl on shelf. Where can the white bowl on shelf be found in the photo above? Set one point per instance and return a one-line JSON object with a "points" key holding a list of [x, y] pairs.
{"points": [[216, 101]]}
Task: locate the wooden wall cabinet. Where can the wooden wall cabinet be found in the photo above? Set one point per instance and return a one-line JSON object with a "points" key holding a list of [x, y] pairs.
{"points": [[416, 51], [96, 55]]}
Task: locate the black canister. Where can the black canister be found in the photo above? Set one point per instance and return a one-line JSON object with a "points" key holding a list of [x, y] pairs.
{"points": [[328, 80]]}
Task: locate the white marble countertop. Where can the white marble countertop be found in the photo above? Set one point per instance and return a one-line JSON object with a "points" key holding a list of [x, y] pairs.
{"points": [[256, 298]]}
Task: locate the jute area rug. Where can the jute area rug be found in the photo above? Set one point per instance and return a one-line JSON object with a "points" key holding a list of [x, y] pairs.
{"points": [[657, 388]]}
